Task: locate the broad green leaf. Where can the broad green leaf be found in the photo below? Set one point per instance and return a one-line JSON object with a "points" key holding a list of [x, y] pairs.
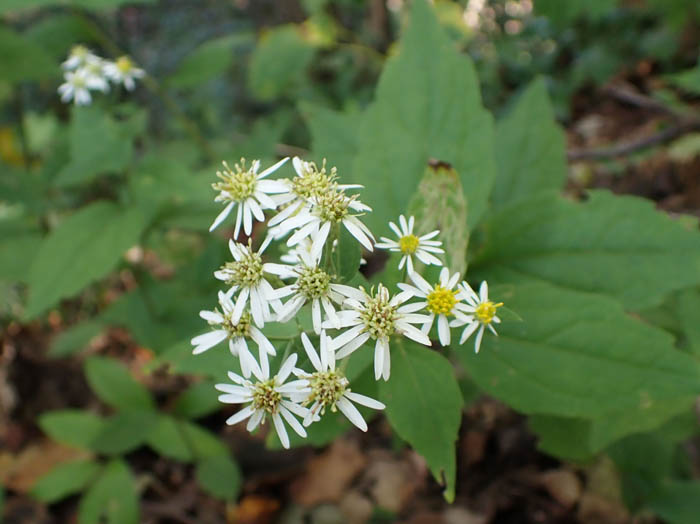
{"points": [[347, 255], [64, 480], [220, 476], [16, 251], [97, 145], [688, 80], [203, 442], [167, 437], [75, 338], [279, 62], [677, 502], [114, 385], [333, 136], [124, 432], [112, 499], [207, 61], [579, 355], [214, 363], [616, 245], [59, 33], [689, 315], [424, 406], [531, 148], [440, 204], [72, 427], [8, 6], [564, 13], [197, 401], [84, 247], [425, 108], [22, 60]]}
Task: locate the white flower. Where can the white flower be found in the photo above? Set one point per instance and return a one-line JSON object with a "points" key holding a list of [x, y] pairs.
{"points": [[313, 285], [328, 387], [378, 316], [267, 396], [95, 75], [409, 244], [124, 71], [441, 301], [246, 187], [75, 88], [246, 275], [234, 323], [79, 57], [481, 314]]}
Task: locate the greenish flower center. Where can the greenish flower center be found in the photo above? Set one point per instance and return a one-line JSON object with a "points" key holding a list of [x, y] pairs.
{"points": [[327, 387], [441, 300], [379, 316], [313, 182], [239, 183], [124, 64], [265, 396], [246, 272], [240, 329], [408, 244], [313, 282], [332, 206]]}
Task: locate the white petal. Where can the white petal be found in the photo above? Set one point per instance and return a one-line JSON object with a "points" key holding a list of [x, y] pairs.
{"points": [[443, 330], [346, 337], [294, 423], [247, 219], [241, 415], [256, 210], [351, 412], [273, 168], [468, 332], [484, 291], [221, 216], [477, 342], [281, 430], [364, 400], [311, 352], [316, 315], [351, 224], [352, 346], [286, 368], [379, 350], [208, 340], [255, 420]]}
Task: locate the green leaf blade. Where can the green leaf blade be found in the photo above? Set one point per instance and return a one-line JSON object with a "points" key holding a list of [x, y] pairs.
{"points": [[113, 383]]}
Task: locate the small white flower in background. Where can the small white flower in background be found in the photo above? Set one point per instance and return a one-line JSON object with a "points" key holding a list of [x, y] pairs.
{"points": [[481, 314], [123, 71], [75, 88], [328, 387], [246, 275], [409, 244], [267, 396], [313, 285], [95, 75], [441, 301], [234, 324], [378, 316], [79, 57], [245, 187]]}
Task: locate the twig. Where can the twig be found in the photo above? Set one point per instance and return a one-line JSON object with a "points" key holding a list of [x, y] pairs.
{"points": [[627, 95], [662, 137]]}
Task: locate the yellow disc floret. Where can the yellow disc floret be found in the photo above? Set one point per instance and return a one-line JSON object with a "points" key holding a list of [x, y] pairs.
{"points": [[238, 183], [266, 397], [408, 244], [124, 64], [485, 311], [441, 300]]}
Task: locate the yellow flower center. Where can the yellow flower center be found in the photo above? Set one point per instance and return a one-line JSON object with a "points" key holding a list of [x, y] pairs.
{"points": [[408, 244], [239, 183], [441, 300], [485, 311], [124, 64], [266, 397]]}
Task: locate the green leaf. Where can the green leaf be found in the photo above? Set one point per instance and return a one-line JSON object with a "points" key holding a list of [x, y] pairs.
{"points": [[563, 13], [424, 406], [75, 338], [168, 438], [615, 245], [22, 60], [124, 432], [112, 499], [279, 62], [349, 254], [72, 427], [64, 480], [531, 148], [206, 62], [578, 355], [425, 108], [204, 443], [220, 476], [114, 385], [15, 252], [689, 315], [59, 33], [84, 247], [333, 136], [19, 5], [197, 401], [97, 145], [677, 502]]}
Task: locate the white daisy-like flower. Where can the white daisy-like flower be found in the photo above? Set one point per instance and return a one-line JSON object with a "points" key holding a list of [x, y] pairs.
{"points": [[245, 187], [378, 316], [409, 244], [267, 396], [76, 88], [234, 323], [246, 276], [309, 182], [95, 75], [124, 71], [481, 314], [79, 57], [441, 301], [313, 285], [328, 387]]}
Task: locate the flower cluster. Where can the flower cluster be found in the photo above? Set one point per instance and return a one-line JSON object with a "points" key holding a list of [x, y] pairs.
{"points": [[308, 211], [86, 72]]}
